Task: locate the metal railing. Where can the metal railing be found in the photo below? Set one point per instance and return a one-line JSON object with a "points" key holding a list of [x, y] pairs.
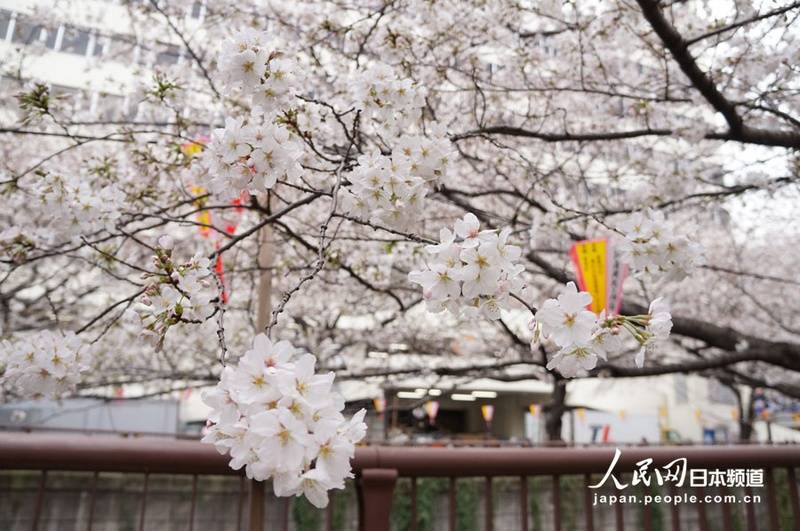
{"points": [[377, 470]]}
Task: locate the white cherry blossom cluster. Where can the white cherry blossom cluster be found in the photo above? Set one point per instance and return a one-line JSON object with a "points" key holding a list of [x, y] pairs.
{"points": [[249, 156], [179, 293], [392, 190], [46, 364], [385, 192], [471, 271], [280, 420], [252, 65], [390, 100], [652, 247], [426, 156], [58, 209], [74, 204], [252, 153], [583, 336]]}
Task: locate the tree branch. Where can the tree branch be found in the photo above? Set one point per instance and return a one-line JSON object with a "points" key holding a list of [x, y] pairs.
{"points": [[679, 48]]}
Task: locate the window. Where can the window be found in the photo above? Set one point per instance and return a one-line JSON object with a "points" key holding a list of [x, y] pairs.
{"points": [[5, 22], [75, 41], [721, 394], [70, 97], [26, 31], [144, 55], [9, 88], [197, 10], [110, 106], [100, 46], [51, 37], [169, 55], [119, 48], [681, 389]]}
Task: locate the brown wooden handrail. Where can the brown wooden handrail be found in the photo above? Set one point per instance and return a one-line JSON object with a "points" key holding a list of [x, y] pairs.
{"points": [[114, 454]]}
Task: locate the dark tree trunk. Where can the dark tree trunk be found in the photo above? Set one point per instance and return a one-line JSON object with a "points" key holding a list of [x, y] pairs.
{"points": [[745, 431], [554, 411]]}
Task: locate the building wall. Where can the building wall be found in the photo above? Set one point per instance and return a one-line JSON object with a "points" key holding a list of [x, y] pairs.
{"points": [[94, 52], [684, 404], [141, 416]]}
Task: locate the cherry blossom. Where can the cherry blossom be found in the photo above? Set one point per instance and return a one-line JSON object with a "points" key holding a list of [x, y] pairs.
{"points": [[46, 364], [652, 246], [385, 192], [566, 320], [255, 65], [178, 293], [583, 337], [574, 359], [426, 156], [278, 419], [477, 274], [391, 100], [248, 157]]}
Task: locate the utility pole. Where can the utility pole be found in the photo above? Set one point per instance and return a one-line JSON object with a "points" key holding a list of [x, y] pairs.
{"points": [[265, 262]]}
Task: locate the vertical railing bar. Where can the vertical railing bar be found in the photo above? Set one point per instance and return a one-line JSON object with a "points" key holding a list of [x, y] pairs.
{"points": [[772, 498], [255, 505], [750, 511], [194, 502], [329, 512], [701, 509], [556, 502], [144, 501], [587, 500], [523, 503], [795, 500], [647, 513], [453, 519], [414, 503], [619, 516], [240, 504], [37, 508], [676, 510], [489, 504], [92, 497], [727, 520]]}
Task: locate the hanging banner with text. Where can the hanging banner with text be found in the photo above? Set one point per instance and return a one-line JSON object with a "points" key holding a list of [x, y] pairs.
{"points": [[601, 273]]}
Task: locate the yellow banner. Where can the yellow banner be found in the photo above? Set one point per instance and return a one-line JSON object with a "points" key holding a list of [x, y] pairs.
{"points": [[591, 257], [204, 216], [601, 273]]}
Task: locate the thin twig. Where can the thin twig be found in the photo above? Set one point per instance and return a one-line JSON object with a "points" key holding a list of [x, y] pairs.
{"points": [[323, 247]]}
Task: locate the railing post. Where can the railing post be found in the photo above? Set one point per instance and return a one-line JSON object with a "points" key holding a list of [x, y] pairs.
{"points": [[255, 505], [375, 490]]}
